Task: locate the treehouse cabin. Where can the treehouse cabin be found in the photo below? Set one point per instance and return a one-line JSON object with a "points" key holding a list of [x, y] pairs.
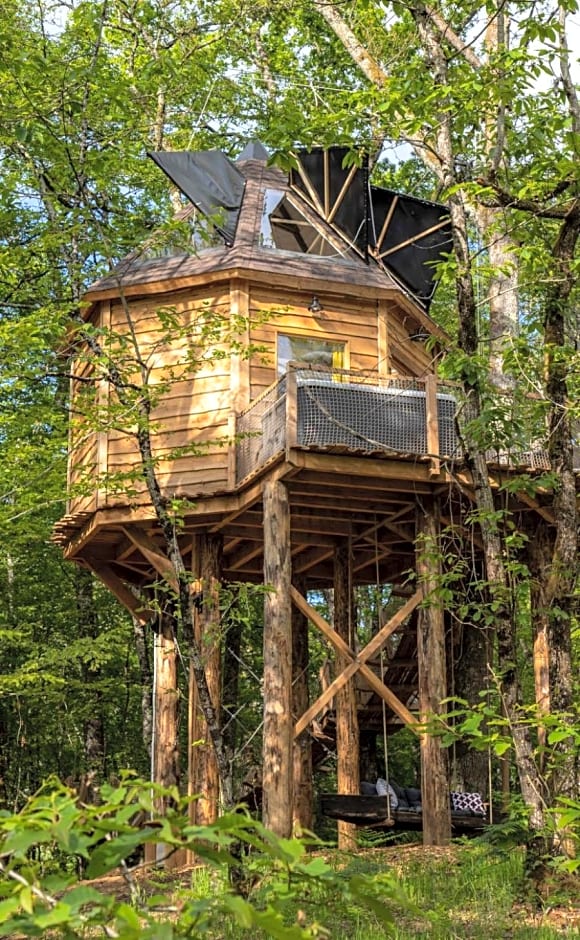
{"points": [[281, 364]]}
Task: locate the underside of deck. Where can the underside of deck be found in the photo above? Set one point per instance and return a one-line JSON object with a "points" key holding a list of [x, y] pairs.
{"points": [[370, 501]]}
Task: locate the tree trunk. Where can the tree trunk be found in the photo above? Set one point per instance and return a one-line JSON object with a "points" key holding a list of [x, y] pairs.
{"points": [[231, 683], [207, 553], [559, 321], [146, 682], [469, 653], [538, 557], [347, 733], [277, 765], [166, 724], [94, 731]]}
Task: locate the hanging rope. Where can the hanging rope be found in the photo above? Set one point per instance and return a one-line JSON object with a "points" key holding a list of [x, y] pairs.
{"points": [[489, 766], [384, 704]]}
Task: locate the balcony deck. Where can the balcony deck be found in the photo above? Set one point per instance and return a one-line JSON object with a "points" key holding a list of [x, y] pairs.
{"points": [[358, 454], [361, 414]]}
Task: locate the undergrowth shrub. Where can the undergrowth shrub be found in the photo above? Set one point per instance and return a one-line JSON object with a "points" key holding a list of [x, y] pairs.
{"points": [[41, 892]]}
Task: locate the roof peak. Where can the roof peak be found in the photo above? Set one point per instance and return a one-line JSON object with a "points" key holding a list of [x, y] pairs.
{"points": [[254, 150]]}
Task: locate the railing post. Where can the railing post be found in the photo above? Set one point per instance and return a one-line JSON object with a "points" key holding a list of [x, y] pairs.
{"points": [[291, 410], [432, 420], [232, 451]]}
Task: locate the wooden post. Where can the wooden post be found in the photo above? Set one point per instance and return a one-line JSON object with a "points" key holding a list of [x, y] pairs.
{"points": [[432, 681], [277, 763], [206, 567], [539, 555], [347, 732], [432, 419], [165, 733], [303, 792], [291, 409]]}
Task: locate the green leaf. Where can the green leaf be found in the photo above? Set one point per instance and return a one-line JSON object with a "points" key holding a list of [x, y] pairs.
{"points": [[26, 898], [111, 852], [60, 914], [8, 907]]}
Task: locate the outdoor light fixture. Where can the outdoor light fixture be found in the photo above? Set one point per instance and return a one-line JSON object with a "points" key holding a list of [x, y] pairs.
{"points": [[315, 306]]}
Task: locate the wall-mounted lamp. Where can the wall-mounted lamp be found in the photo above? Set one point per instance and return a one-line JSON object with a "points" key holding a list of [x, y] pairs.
{"points": [[315, 306]]}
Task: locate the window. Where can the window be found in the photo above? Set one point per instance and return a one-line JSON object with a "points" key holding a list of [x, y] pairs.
{"points": [[284, 227], [310, 349]]}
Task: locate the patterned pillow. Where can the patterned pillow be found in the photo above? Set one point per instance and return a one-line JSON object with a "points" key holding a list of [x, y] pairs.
{"points": [[467, 801]]}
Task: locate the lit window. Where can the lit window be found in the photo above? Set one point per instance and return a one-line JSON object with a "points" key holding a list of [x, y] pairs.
{"points": [[308, 349]]}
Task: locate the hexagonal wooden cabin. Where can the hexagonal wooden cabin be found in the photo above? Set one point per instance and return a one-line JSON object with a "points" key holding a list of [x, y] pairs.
{"points": [[296, 415]]}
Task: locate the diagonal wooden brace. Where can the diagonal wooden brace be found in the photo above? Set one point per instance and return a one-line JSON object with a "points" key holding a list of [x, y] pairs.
{"points": [[154, 555], [358, 663]]}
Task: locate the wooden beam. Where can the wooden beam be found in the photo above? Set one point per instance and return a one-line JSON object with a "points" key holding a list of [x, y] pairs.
{"points": [[326, 697], [404, 472], [364, 656], [375, 683], [277, 690], [123, 594], [347, 736], [151, 551], [383, 353], [432, 417]]}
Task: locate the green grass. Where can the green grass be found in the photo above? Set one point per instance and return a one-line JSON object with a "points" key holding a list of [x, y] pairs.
{"points": [[471, 892]]}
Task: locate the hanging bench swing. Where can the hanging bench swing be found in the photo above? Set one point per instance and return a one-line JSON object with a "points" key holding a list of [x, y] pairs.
{"points": [[373, 812]]}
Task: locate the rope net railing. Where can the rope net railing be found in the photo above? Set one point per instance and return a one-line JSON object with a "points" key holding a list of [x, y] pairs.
{"points": [[339, 408], [261, 430], [370, 413]]}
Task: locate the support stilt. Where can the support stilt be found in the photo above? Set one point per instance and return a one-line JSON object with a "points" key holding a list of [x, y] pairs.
{"points": [[277, 764], [347, 731], [432, 681]]}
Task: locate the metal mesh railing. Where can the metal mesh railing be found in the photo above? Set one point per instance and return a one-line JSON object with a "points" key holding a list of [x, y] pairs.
{"points": [[364, 412], [371, 413], [340, 409], [261, 430]]}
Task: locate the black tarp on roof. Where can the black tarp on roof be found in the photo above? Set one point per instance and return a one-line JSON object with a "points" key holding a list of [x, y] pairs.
{"points": [[416, 237], [211, 181], [345, 208], [406, 235]]}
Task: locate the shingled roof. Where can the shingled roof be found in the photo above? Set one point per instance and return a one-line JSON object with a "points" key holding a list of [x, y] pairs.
{"points": [[261, 215]]}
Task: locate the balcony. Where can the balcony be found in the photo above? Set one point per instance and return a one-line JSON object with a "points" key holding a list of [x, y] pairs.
{"points": [[357, 413], [340, 411]]}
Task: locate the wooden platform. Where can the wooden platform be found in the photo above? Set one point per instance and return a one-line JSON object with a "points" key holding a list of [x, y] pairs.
{"points": [[371, 812]]}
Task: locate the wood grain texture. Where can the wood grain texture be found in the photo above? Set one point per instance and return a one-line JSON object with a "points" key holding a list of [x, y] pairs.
{"points": [[277, 748], [431, 658], [347, 732]]}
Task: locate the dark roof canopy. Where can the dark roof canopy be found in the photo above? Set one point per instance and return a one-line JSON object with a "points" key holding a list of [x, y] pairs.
{"points": [[210, 181], [403, 235]]}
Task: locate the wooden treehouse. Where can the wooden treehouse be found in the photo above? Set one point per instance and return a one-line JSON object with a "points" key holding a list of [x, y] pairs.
{"points": [[297, 418]]}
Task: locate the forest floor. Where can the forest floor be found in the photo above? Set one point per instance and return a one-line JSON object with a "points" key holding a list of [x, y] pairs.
{"points": [[434, 877]]}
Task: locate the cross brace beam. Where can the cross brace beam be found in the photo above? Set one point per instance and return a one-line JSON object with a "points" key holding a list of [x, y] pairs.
{"points": [[358, 661]]}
